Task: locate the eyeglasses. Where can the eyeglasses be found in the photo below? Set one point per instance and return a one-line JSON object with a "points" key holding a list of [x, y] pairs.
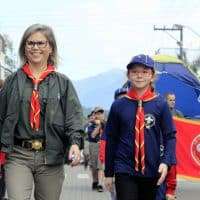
{"points": [[144, 73], [40, 44]]}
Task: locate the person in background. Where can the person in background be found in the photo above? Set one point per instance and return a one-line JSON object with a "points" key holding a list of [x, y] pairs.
{"points": [[171, 100], [94, 133], [167, 191], [171, 182], [133, 136], [90, 121], [40, 116]]}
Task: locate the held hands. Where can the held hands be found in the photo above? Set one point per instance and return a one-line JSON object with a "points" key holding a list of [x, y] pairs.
{"points": [[74, 155], [162, 170], [109, 183]]}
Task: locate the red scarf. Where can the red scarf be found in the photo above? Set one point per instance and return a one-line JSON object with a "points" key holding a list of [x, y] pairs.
{"points": [[139, 126], [35, 103]]}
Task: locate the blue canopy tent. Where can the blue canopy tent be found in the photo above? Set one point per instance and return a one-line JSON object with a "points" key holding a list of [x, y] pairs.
{"points": [[173, 76]]}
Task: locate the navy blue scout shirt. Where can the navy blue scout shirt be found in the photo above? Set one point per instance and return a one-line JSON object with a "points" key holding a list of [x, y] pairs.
{"points": [[120, 136]]}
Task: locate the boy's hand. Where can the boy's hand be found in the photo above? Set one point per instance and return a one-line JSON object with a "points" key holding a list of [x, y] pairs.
{"points": [[162, 170], [109, 183]]}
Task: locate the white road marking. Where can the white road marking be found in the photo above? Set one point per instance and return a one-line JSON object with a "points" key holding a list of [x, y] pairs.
{"points": [[83, 176]]}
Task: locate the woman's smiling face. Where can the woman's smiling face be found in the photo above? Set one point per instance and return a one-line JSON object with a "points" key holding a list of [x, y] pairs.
{"points": [[37, 49]]}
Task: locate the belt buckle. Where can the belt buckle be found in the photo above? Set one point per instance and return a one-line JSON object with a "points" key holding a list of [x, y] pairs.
{"points": [[36, 145]]}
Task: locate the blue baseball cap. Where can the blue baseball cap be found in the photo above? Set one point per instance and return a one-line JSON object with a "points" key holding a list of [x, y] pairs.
{"points": [[142, 59]]}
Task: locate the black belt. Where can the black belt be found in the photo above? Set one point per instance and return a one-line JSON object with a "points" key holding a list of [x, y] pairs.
{"points": [[35, 144]]}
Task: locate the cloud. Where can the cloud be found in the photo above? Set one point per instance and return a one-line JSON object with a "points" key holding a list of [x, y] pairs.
{"points": [[94, 36]]}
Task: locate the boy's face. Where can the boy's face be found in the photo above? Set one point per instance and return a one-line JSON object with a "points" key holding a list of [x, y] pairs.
{"points": [[171, 100], [140, 76]]}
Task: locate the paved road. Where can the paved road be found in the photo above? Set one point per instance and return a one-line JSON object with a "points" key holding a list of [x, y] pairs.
{"points": [[77, 186], [188, 190]]}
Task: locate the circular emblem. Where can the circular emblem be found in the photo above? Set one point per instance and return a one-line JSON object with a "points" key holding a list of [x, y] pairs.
{"points": [[195, 149], [149, 120]]}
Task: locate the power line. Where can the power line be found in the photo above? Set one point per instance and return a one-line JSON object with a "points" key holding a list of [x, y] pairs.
{"points": [[176, 27], [192, 30]]}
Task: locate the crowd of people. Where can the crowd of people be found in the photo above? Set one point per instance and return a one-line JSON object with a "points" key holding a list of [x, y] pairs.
{"points": [[130, 152]]}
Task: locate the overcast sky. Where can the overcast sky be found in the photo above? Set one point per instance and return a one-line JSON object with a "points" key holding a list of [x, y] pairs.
{"points": [[97, 35]]}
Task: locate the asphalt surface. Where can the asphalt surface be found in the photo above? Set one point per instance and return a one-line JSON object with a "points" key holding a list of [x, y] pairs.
{"points": [[188, 190], [77, 186]]}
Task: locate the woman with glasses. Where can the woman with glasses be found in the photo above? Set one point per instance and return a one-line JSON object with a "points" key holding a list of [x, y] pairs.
{"points": [[40, 116]]}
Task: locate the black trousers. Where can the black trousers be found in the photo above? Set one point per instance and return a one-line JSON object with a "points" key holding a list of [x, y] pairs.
{"points": [[2, 182], [135, 188]]}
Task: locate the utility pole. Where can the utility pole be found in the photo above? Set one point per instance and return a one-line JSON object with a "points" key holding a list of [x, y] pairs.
{"points": [[176, 27]]}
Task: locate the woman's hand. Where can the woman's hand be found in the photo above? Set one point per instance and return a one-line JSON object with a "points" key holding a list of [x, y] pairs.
{"points": [[74, 155], [162, 170]]}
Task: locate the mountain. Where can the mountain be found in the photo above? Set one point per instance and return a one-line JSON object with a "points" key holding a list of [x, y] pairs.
{"points": [[99, 90]]}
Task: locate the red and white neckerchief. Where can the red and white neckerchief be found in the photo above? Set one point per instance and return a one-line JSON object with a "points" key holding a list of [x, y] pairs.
{"points": [[35, 103], [139, 126]]}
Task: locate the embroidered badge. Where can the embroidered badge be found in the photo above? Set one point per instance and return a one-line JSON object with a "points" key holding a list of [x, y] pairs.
{"points": [[149, 120]]}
